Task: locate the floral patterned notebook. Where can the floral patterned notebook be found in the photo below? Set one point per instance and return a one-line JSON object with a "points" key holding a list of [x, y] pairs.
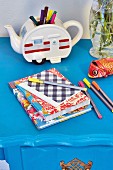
{"points": [[37, 115], [55, 101]]}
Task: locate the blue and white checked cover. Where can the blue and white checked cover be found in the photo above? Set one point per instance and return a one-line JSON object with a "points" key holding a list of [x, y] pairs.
{"points": [[56, 93]]}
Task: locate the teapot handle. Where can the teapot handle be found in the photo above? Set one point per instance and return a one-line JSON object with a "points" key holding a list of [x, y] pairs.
{"points": [[80, 30]]}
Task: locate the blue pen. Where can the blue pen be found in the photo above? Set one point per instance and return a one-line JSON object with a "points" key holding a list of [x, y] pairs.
{"points": [[30, 98]]}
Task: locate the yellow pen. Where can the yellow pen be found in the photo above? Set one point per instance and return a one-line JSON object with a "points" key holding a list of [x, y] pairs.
{"points": [[50, 12], [35, 80]]}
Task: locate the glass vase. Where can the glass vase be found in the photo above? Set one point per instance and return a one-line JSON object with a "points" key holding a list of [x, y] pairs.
{"points": [[101, 28]]}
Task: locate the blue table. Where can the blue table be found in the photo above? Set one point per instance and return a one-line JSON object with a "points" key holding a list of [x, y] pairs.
{"points": [[85, 137]]}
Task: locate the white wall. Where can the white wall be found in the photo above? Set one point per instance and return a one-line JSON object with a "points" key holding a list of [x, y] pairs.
{"points": [[16, 12]]}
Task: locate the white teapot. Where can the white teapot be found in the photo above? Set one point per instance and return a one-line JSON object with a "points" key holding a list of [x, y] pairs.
{"points": [[44, 42]]}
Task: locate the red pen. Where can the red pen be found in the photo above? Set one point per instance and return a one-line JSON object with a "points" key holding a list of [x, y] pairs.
{"points": [[53, 17], [81, 84], [45, 13]]}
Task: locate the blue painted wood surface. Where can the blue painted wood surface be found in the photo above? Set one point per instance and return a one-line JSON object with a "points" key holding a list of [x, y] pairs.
{"points": [[16, 126], [84, 137]]}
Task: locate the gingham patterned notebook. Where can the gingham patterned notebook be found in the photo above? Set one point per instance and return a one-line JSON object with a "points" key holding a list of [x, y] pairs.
{"points": [[54, 100]]}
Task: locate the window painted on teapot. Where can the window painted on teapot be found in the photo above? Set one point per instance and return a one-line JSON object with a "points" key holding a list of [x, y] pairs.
{"points": [[23, 32], [38, 41], [37, 45]]}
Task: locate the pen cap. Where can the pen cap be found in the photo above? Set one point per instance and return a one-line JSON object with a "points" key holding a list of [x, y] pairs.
{"points": [[50, 12], [95, 85], [86, 82], [45, 11], [42, 17], [81, 84]]}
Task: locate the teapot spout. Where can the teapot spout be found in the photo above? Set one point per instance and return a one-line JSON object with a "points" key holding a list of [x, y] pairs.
{"points": [[15, 40]]}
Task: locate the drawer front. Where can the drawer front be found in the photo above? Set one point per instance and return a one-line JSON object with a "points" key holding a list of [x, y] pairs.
{"points": [[36, 158], [41, 158]]}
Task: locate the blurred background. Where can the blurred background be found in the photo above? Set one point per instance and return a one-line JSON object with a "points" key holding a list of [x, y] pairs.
{"points": [[16, 12]]}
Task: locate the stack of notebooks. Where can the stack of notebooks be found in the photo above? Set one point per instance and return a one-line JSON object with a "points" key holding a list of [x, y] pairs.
{"points": [[48, 104]]}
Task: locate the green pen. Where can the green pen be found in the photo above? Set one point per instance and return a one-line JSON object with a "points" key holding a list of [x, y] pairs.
{"points": [[34, 20]]}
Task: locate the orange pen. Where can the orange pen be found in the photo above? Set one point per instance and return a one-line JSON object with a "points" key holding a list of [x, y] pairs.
{"points": [[102, 92], [102, 98]]}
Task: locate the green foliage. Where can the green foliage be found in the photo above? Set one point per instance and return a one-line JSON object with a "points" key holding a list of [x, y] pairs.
{"points": [[102, 21]]}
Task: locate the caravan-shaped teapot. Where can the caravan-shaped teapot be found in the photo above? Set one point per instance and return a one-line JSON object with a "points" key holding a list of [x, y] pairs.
{"points": [[44, 42]]}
